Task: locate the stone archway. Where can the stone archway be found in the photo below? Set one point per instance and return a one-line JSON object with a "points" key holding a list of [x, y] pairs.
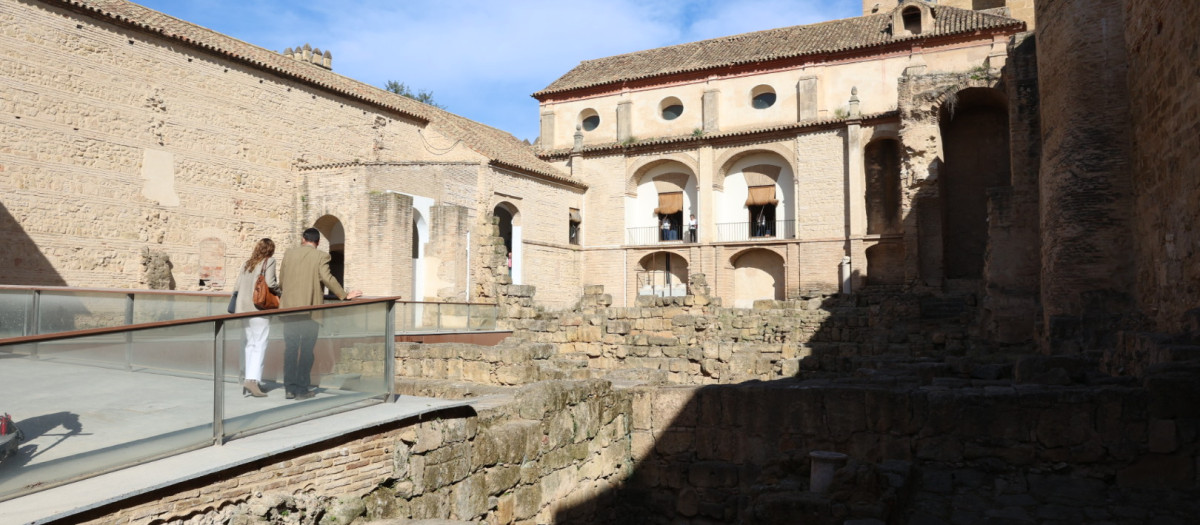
{"points": [[333, 238], [757, 274], [662, 274], [975, 149], [510, 231]]}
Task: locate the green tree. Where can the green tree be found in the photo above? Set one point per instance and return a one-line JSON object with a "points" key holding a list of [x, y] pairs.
{"points": [[423, 96]]}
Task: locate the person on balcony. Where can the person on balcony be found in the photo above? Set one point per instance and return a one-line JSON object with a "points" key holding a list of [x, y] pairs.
{"points": [[691, 229], [262, 263], [305, 270], [667, 233], [761, 229]]}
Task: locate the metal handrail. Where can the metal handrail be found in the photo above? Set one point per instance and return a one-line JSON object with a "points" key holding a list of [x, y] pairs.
{"points": [[32, 321], [747, 231]]}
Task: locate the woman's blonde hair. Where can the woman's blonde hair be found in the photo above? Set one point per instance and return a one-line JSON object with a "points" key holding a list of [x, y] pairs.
{"points": [[264, 249]]}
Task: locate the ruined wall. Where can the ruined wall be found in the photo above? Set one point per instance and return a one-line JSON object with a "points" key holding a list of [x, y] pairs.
{"points": [[1009, 307], [1085, 190], [542, 449], [689, 340], [947, 452], [1164, 66]]}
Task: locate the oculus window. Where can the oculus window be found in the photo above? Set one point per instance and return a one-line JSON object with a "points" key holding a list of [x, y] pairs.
{"points": [[762, 97], [589, 119], [670, 108]]}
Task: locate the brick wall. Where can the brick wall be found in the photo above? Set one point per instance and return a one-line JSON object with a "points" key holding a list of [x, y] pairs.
{"points": [[1164, 112]]}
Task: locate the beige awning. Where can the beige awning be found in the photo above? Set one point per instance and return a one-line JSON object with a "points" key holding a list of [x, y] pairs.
{"points": [[575, 216], [761, 195], [669, 203], [761, 175], [670, 182]]}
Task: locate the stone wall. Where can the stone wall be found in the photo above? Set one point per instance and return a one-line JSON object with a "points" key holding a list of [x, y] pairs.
{"points": [[1087, 235], [946, 450], [119, 139], [1163, 69], [693, 340], [541, 449]]}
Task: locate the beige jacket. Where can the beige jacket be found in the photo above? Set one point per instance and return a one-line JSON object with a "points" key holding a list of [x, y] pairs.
{"points": [[304, 271], [245, 285]]}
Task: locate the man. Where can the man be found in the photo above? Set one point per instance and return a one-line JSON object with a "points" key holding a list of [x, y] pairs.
{"points": [[304, 270]]}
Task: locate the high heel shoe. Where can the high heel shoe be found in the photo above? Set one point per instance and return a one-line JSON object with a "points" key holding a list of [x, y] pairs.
{"points": [[250, 389]]}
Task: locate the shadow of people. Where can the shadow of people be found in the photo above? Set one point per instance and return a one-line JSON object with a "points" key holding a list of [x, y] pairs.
{"points": [[42, 426]]}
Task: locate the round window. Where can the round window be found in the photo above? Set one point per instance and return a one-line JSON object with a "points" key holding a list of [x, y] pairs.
{"points": [[762, 97], [671, 108], [589, 119]]}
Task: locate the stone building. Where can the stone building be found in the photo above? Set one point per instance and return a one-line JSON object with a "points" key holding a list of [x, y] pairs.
{"points": [[796, 152], [127, 133]]}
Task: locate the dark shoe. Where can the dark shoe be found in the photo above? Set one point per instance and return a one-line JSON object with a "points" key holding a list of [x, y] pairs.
{"points": [[290, 395], [304, 395]]}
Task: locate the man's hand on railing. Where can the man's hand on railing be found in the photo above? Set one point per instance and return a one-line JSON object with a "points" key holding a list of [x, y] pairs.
{"points": [[354, 294]]}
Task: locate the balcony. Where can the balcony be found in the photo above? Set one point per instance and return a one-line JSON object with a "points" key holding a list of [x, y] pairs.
{"points": [[651, 235], [746, 231]]}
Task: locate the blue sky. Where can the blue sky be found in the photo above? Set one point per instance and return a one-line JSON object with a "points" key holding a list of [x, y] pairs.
{"points": [[482, 58]]}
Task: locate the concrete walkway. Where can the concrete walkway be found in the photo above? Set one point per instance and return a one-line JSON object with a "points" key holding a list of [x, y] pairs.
{"points": [[73, 413]]}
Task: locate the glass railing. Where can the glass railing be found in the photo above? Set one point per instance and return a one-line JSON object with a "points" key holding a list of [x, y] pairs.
{"points": [[113, 397], [48, 310], [28, 311], [445, 317]]}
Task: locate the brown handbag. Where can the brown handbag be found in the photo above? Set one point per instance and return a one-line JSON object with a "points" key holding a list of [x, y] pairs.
{"points": [[264, 298]]}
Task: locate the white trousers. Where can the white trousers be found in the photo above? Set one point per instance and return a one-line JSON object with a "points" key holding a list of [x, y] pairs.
{"points": [[257, 329]]}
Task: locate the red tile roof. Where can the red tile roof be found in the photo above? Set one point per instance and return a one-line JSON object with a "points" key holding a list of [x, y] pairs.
{"points": [[849, 34]]}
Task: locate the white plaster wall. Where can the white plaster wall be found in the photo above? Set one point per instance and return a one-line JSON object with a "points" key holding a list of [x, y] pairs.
{"points": [[731, 202], [639, 210]]}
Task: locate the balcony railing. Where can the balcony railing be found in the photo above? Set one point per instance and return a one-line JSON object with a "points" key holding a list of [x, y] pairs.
{"points": [[746, 231], [176, 385], [655, 235]]}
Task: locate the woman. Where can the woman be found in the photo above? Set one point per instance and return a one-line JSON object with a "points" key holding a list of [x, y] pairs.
{"points": [[256, 327]]}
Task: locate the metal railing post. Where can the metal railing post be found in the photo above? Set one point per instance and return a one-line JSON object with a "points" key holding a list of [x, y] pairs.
{"points": [[468, 327], [389, 351], [33, 321], [219, 383], [128, 334]]}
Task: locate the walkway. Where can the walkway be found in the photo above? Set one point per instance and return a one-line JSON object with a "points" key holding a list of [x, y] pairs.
{"points": [[64, 409]]}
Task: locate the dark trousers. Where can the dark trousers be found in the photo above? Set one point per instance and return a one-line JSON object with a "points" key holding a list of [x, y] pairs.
{"points": [[299, 338]]}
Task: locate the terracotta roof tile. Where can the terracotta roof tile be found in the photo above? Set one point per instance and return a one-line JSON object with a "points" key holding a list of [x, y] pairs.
{"points": [[500, 147], [772, 44]]}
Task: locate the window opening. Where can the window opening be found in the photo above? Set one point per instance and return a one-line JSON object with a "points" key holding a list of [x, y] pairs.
{"points": [[573, 226], [762, 97], [912, 20], [670, 215]]}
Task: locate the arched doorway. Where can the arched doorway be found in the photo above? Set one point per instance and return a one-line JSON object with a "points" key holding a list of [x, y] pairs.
{"points": [[419, 234], [757, 274], [756, 198], [333, 236], [510, 231], [664, 274], [976, 151]]}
